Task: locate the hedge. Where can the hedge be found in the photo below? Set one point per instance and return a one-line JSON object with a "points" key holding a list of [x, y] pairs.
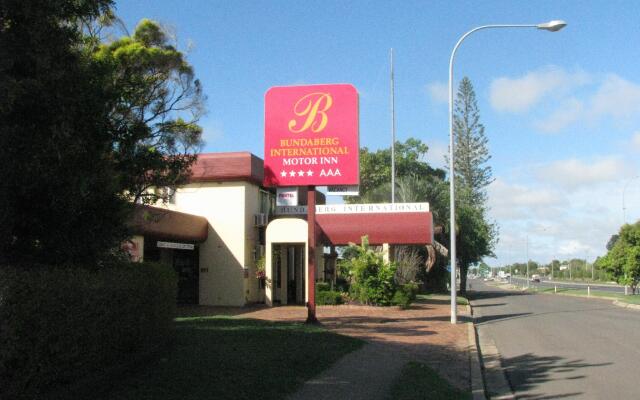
{"points": [[405, 295], [60, 325], [329, 298]]}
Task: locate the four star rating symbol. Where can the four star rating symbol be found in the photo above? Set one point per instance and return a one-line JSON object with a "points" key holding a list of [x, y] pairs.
{"points": [[293, 174]]}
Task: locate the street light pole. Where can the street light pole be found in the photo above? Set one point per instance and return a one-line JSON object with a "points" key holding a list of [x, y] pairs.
{"points": [[552, 26], [527, 260]]}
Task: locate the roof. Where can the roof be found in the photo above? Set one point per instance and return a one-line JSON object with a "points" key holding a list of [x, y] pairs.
{"points": [[167, 224], [224, 167]]}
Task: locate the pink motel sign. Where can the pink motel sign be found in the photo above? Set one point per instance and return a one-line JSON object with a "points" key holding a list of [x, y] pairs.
{"points": [[311, 136]]}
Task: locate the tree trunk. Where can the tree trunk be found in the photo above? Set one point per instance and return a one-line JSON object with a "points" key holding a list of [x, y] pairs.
{"points": [[463, 279]]}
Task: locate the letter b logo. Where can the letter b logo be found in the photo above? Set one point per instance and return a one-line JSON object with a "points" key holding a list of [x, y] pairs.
{"points": [[312, 110]]}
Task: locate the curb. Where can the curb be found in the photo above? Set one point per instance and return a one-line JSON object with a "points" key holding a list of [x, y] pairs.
{"points": [[494, 377], [626, 305], [477, 383]]}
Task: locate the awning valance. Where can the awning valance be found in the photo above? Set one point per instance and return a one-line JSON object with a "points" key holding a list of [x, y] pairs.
{"points": [[167, 224]]}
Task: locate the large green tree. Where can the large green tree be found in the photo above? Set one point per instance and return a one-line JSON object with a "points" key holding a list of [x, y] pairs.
{"points": [[375, 170], [416, 181], [83, 129], [55, 173], [154, 111], [476, 236], [623, 259]]}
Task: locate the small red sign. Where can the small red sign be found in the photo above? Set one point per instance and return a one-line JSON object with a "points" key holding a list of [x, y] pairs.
{"points": [[311, 136]]}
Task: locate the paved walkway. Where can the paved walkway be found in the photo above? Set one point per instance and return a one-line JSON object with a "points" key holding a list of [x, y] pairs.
{"points": [[394, 337]]}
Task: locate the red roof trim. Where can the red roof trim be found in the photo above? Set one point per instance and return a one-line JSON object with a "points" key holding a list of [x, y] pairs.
{"points": [[225, 167]]}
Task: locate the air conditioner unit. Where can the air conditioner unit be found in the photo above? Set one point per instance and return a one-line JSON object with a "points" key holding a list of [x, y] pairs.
{"points": [[260, 220]]}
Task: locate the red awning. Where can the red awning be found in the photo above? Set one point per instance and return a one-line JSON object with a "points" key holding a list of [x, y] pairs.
{"points": [[392, 228], [167, 224]]}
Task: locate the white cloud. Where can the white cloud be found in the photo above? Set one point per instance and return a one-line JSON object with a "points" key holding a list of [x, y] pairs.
{"points": [[574, 173], [565, 209], [616, 97], [439, 92], [515, 202], [520, 94], [505, 194], [571, 110], [635, 141], [572, 248], [436, 153]]}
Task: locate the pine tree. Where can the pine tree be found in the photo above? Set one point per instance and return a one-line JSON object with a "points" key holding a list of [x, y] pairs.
{"points": [[476, 235], [471, 145]]}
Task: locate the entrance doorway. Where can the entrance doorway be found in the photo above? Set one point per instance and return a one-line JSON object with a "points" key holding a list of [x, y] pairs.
{"points": [[288, 272], [185, 263]]}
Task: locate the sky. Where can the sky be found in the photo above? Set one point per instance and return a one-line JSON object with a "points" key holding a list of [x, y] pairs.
{"points": [[561, 110]]}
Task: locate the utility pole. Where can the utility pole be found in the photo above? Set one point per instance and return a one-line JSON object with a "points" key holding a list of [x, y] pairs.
{"points": [[393, 136]]}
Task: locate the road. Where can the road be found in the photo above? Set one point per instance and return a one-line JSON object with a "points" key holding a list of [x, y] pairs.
{"points": [[561, 346], [570, 285]]}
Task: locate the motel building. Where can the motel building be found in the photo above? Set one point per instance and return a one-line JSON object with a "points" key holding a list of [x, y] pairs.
{"points": [[214, 230]]}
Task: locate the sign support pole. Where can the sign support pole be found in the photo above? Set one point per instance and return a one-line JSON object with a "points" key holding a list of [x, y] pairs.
{"points": [[311, 262]]}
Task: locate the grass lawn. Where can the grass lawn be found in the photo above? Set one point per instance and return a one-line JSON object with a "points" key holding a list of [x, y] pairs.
{"points": [[233, 358], [595, 293], [418, 381], [461, 301]]}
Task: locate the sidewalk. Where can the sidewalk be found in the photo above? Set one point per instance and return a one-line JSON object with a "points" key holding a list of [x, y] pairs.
{"points": [[422, 333]]}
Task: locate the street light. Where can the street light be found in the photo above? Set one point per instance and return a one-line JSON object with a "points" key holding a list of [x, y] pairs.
{"points": [[552, 26], [624, 213]]}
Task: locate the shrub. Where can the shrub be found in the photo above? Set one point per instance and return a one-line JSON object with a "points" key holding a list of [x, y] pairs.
{"points": [[405, 295], [60, 325], [410, 261], [323, 286], [342, 285], [329, 297], [372, 278], [401, 299], [411, 290]]}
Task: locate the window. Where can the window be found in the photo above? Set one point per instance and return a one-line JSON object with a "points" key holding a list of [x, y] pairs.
{"points": [[267, 202], [169, 193]]}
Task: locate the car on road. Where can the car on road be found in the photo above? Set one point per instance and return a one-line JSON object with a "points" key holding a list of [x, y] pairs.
{"points": [[535, 278]]}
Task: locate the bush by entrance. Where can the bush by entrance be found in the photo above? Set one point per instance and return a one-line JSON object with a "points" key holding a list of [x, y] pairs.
{"points": [[373, 281]]}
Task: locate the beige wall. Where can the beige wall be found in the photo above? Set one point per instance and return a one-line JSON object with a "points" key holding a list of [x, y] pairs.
{"points": [[135, 248], [289, 230], [251, 240], [229, 207]]}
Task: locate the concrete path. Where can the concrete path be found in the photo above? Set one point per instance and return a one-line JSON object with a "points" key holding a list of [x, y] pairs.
{"points": [[394, 337], [365, 374]]}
